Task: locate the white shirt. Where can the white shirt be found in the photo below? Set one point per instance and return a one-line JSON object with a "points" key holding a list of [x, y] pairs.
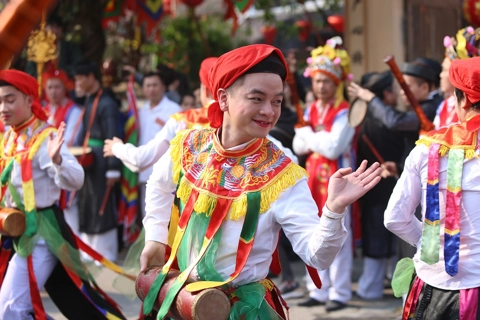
{"points": [[399, 219], [142, 157], [330, 144], [48, 178], [152, 121], [316, 240]]}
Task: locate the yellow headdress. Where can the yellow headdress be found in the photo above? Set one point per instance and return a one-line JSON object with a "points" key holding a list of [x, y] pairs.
{"points": [[333, 60], [464, 45]]}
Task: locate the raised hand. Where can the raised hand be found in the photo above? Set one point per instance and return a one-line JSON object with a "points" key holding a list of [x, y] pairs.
{"points": [[355, 91], [107, 147], [54, 144], [345, 186]]}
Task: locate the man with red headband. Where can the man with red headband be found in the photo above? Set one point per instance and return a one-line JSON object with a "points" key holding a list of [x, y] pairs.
{"points": [[35, 165], [234, 190], [443, 174], [60, 107], [327, 142]]}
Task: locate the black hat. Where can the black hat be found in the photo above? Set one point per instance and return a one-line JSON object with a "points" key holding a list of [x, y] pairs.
{"points": [[419, 70], [434, 65], [271, 64], [378, 82], [366, 77]]}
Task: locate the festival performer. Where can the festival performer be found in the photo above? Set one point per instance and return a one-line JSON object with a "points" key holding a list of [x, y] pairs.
{"points": [[328, 141], [378, 244], [266, 192], [100, 122], [35, 165], [63, 109], [60, 107], [442, 173], [463, 46]]}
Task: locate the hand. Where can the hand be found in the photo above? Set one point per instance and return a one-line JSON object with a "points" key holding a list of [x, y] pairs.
{"points": [[153, 254], [389, 169], [112, 181], [130, 69], [355, 91], [345, 186], [107, 147], [304, 133], [54, 145]]}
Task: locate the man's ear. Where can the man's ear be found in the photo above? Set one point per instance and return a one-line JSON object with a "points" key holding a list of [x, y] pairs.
{"points": [[425, 86], [29, 100], [222, 99], [465, 103]]}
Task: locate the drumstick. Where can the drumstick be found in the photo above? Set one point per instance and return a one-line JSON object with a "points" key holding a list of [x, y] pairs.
{"points": [[373, 149], [105, 199]]}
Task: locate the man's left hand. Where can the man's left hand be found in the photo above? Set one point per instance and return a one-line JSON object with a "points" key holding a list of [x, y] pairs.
{"points": [[55, 144], [345, 186]]}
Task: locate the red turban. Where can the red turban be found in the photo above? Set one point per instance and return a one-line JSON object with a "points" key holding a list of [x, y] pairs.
{"points": [[58, 74], [205, 67], [465, 75], [28, 85], [233, 64]]}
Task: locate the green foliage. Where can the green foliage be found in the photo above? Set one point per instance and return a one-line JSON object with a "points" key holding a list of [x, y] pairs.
{"points": [[186, 41]]}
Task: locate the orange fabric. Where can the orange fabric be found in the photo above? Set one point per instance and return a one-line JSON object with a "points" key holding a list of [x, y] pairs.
{"points": [[28, 85], [205, 68], [463, 134], [231, 66], [465, 75]]}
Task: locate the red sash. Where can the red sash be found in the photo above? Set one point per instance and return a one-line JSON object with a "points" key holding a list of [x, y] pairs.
{"points": [[319, 168]]}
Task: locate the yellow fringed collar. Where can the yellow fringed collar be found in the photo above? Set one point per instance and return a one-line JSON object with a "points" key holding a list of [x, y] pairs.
{"points": [[458, 136], [215, 173]]}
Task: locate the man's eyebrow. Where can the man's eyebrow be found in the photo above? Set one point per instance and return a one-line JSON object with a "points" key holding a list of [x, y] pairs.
{"points": [[7, 95], [258, 91]]}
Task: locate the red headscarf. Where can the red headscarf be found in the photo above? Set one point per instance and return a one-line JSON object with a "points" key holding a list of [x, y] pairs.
{"points": [[205, 67], [28, 85], [57, 74], [465, 75], [231, 66]]}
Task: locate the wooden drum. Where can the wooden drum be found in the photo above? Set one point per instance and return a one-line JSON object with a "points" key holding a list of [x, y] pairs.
{"points": [[357, 113], [12, 222], [86, 158], [204, 305]]}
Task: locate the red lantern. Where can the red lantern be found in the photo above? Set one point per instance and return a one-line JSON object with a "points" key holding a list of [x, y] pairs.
{"points": [[192, 3], [304, 28], [337, 22], [471, 11], [269, 33]]}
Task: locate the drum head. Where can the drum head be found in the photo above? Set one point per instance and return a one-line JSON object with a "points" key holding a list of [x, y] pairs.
{"points": [[357, 113]]}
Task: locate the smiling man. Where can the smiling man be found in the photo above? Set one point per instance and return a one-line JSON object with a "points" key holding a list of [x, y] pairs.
{"points": [[234, 190]]}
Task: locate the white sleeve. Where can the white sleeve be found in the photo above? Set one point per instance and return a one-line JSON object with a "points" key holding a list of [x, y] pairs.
{"points": [[332, 144], [316, 240], [285, 150], [139, 158], [159, 199], [399, 216], [172, 127], [69, 175], [71, 123]]}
